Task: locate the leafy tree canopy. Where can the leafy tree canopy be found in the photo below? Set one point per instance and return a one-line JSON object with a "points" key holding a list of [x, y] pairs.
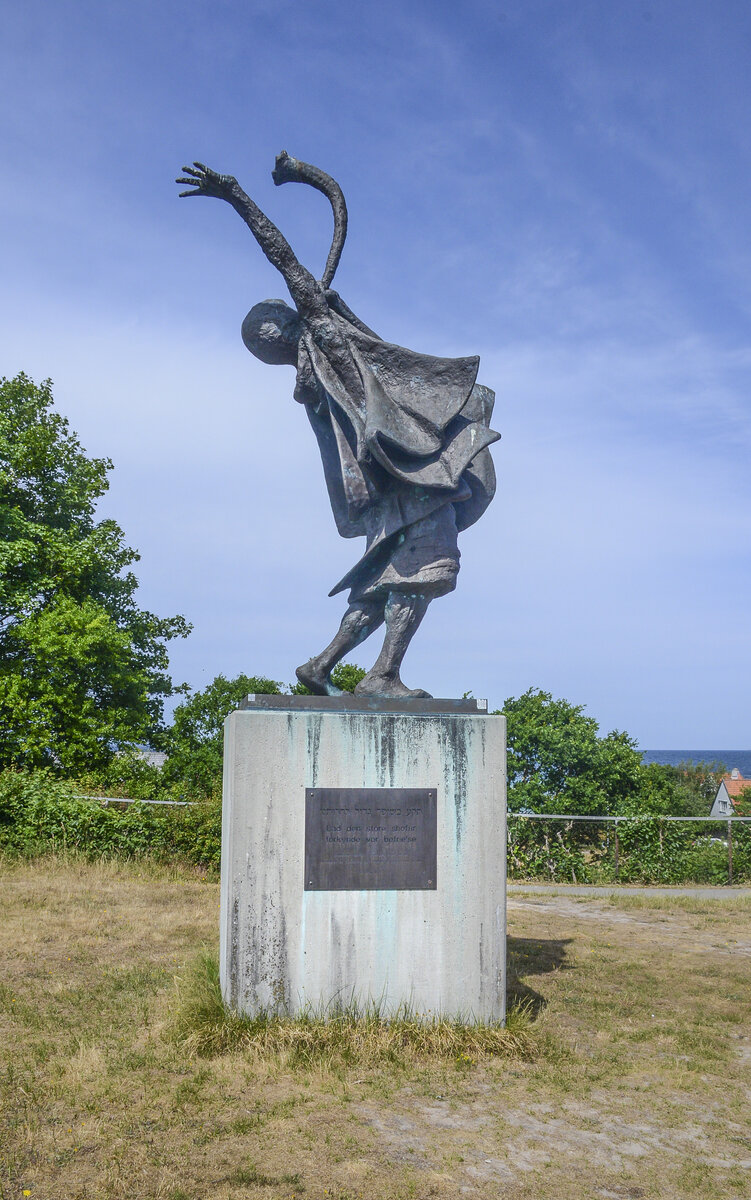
{"points": [[194, 744], [345, 676], [83, 669], [743, 803], [685, 790], [557, 762]]}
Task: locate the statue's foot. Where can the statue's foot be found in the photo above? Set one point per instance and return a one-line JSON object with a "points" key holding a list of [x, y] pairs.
{"points": [[390, 687], [316, 679]]}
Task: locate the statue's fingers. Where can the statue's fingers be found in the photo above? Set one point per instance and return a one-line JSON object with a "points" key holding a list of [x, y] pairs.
{"points": [[204, 168], [195, 192], [187, 179], [190, 171]]}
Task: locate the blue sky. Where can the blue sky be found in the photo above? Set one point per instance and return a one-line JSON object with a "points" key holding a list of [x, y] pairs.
{"points": [[561, 187]]}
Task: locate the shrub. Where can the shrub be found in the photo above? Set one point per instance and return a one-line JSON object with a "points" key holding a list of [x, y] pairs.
{"points": [[40, 814], [651, 850]]}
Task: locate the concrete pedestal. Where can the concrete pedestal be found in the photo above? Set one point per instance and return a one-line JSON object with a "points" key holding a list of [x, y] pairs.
{"points": [[438, 948]]}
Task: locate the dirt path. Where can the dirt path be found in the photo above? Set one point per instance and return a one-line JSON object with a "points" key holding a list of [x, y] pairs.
{"points": [[566, 889]]}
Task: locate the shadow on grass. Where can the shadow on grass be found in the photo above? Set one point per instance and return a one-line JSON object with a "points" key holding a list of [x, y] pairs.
{"points": [[532, 956]]}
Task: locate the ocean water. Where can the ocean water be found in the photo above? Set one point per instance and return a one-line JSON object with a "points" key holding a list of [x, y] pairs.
{"points": [[731, 758]]}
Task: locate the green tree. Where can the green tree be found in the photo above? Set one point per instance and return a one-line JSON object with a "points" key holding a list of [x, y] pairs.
{"points": [[742, 803], [557, 762], [685, 790], [194, 744], [345, 676], [83, 670]]}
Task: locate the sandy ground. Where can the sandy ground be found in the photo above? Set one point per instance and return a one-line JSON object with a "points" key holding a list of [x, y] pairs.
{"points": [[566, 889]]}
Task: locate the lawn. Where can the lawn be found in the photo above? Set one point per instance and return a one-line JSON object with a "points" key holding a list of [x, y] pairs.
{"points": [[637, 1083]]}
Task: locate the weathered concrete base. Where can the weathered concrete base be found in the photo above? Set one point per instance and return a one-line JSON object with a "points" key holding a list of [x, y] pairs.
{"points": [[284, 948]]}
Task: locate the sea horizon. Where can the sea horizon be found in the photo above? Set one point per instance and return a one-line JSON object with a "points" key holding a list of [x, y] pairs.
{"points": [[731, 758]]}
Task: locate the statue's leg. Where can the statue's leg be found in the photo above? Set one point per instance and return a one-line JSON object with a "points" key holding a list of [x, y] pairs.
{"points": [[403, 614], [359, 621]]}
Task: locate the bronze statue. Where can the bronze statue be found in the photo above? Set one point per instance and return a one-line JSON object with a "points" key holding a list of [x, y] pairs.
{"points": [[403, 438]]}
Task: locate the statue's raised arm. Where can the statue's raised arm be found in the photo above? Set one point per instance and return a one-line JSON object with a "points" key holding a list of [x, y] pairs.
{"points": [[292, 170], [204, 182]]}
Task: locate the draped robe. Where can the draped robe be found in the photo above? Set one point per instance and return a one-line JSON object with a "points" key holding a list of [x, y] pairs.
{"points": [[410, 443]]}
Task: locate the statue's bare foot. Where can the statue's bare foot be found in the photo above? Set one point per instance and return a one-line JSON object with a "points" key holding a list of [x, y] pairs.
{"points": [[388, 686], [317, 679]]}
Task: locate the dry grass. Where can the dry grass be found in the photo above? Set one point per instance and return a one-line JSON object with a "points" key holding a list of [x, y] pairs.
{"points": [[641, 1086], [346, 1036]]}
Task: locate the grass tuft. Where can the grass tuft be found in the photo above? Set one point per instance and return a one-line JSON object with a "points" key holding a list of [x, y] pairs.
{"points": [[202, 1025]]}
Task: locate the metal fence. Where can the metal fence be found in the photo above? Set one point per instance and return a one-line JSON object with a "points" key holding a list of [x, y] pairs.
{"points": [[107, 800], [601, 852], [594, 848]]}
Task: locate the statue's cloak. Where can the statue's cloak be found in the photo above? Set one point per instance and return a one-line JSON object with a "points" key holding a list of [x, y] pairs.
{"points": [[413, 438]]}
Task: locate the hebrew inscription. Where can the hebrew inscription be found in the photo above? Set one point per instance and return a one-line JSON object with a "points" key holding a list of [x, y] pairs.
{"points": [[370, 839]]}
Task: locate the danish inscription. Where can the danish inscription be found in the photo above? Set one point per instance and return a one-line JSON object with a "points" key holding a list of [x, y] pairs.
{"points": [[370, 839]]}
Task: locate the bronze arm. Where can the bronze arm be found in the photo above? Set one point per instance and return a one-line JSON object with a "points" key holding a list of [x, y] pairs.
{"points": [[291, 170]]}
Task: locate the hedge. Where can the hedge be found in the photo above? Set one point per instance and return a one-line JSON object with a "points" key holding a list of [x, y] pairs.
{"points": [[40, 814], [651, 850]]}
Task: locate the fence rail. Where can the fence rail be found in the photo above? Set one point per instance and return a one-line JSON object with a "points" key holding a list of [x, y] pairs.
{"points": [[106, 800], [528, 816], [595, 855], [639, 848]]}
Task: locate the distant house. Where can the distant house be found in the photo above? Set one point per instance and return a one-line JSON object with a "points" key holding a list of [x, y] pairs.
{"points": [[730, 787], [155, 758]]}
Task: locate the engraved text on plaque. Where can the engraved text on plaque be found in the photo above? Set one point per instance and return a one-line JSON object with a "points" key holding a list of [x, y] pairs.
{"points": [[370, 838]]}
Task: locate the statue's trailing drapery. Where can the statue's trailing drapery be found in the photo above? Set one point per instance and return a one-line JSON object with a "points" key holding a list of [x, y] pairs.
{"points": [[414, 439]]}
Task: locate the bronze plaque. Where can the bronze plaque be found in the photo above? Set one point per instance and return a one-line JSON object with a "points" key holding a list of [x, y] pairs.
{"points": [[370, 838]]}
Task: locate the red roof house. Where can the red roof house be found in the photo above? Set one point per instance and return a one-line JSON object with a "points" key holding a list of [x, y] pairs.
{"points": [[730, 788]]}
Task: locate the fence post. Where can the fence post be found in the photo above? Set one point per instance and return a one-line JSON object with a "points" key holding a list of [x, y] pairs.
{"points": [[660, 829], [616, 849], [730, 851]]}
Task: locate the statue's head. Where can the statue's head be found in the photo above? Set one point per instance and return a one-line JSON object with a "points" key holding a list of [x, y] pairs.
{"points": [[271, 331]]}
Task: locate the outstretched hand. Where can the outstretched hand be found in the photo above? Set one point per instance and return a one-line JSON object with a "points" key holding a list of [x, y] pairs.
{"points": [[205, 182]]}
